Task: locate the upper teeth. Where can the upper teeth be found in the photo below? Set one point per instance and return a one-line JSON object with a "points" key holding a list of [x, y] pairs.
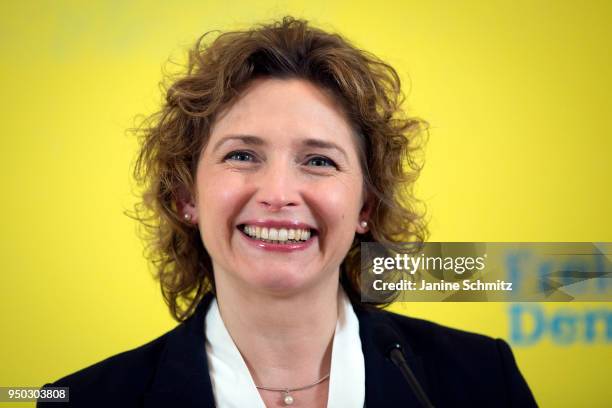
{"points": [[277, 234]]}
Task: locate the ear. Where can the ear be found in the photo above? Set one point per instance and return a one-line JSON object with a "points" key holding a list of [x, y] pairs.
{"points": [[365, 214], [185, 206]]}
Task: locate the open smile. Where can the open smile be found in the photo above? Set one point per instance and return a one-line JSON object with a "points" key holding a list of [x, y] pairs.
{"points": [[278, 238]]}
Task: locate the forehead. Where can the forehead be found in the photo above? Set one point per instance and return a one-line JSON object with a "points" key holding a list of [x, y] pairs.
{"points": [[284, 110]]}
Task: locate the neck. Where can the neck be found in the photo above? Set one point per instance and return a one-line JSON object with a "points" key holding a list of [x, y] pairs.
{"points": [[286, 341]]}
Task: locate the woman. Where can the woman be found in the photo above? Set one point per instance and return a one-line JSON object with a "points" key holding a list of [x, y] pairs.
{"points": [[278, 152]]}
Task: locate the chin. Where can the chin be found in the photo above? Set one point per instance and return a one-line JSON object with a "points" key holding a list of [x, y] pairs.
{"points": [[281, 281]]}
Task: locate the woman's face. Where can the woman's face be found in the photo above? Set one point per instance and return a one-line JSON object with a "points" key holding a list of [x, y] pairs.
{"points": [[279, 188]]}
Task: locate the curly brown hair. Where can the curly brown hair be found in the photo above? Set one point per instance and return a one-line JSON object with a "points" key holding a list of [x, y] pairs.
{"points": [[216, 73]]}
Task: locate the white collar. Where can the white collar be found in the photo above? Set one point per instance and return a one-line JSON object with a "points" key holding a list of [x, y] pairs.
{"points": [[231, 380]]}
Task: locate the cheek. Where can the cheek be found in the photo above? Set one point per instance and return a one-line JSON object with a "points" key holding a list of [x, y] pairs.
{"points": [[218, 201], [338, 204]]}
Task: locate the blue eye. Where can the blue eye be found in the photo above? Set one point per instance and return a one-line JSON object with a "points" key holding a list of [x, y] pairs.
{"points": [[240, 156], [320, 161]]}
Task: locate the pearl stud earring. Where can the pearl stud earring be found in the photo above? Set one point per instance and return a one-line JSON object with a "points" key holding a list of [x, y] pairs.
{"points": [[187, 217], [364, 224]]}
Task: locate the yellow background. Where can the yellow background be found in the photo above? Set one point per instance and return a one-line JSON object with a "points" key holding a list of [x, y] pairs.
{"points": [[517, 94]]}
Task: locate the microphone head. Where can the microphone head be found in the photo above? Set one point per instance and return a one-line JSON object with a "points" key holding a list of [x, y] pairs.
{"points": [[386, 339]]}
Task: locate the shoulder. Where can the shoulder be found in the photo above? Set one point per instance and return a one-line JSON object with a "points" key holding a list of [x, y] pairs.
{"points": [[452, 346], [425, 336], [173, 366], [122, 377], [457, 360]]}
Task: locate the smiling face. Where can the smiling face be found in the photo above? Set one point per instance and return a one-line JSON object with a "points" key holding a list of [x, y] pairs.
{"points": [[279, 189]]}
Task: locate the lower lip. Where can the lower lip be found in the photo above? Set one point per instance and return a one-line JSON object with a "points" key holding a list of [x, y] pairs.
{"points": [[268, 246]]}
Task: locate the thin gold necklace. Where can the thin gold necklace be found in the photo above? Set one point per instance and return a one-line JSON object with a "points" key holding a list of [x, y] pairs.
{"points": [[287, 397]]}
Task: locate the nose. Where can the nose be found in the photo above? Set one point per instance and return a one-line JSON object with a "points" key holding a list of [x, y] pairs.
{"points": [[278, 188]]}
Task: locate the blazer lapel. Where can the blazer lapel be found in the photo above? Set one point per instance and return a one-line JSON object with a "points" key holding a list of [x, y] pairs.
{"points": [[385, 385], [182, 377]]}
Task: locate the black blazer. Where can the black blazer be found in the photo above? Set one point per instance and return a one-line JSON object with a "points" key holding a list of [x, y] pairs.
{"points": [[454, 367]]}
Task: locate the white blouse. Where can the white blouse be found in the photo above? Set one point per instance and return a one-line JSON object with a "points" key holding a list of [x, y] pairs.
{"points": [[231, 380]]}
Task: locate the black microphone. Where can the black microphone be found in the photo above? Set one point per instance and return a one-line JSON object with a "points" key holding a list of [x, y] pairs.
{"points": [[386, 339]]}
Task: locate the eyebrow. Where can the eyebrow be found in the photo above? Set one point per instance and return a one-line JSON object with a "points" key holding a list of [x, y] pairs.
{"points": [[323, 144], [257, 141], [246, 139]]}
